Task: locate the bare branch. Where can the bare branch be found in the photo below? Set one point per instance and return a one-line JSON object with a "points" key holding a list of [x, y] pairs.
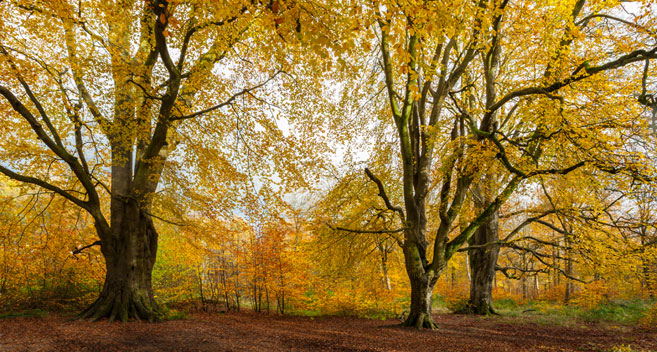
{"points": [[165, 220], [505, 270], [480, 246]]}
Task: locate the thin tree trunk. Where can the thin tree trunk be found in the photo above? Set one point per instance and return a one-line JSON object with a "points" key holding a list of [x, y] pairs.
{"points": [[569, 269], [524, 277], [384, 266], [200, 285]]}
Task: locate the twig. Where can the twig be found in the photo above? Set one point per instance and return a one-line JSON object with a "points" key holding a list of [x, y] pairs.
{"points": [[79, 250]]}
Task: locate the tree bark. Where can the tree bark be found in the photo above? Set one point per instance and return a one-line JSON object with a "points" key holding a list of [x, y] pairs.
{"points": [[421, 300], [422, 284], [482, 265], [129, 252]]}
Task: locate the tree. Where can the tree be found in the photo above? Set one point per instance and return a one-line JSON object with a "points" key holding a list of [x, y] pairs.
{"points": [[430, 55], [98, 96], [483, 255]]}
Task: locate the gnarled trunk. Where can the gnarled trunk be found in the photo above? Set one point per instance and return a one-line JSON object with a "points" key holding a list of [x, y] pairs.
{"points": [[482, 266], [129, 250]]}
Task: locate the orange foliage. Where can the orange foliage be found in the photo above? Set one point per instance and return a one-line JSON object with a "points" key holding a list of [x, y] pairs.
{"points": [[38, 234]]}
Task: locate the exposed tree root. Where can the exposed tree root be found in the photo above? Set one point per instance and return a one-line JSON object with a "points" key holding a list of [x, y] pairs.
{"points": [[123, 306], [483, 309], [420, 321]]}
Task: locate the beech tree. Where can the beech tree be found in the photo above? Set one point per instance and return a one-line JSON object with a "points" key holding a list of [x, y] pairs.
{"points": [[483, 256], [95, 95], [452, 92]]}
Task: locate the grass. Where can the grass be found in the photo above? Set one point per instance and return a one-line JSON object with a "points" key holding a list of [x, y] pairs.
{"points": [[622, 312], [30, 313]]}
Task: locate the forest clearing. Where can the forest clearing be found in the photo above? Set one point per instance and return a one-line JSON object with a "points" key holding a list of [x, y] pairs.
{"points": [[328, 175]]}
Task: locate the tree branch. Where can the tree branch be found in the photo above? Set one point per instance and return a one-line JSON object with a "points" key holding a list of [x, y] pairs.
{"points": [[384, 196], [387, 65], [43, 184], [527, 222], [71, 47], [79, 250], [504, 270], [227, 102], [584, 21], [192, 30], [366, 231], [456, 243], [400, 242], [635, 56], [62, 153]]}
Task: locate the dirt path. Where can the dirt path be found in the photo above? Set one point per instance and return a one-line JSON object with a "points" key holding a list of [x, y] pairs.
{"points": [[261, 332]]}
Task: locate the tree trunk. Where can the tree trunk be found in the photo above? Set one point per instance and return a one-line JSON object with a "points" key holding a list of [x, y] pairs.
{"points": [[129, 252], [569, 269], [421, 300], [384, 266], [482, 266], [524, 277], [421, 291]]}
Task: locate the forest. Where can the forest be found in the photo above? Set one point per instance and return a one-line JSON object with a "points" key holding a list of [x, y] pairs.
{"points": [[378, 175]]}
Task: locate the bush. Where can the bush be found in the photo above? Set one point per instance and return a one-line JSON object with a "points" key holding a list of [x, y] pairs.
{"points": [[173, 314], [649, 318], [457, 305]]}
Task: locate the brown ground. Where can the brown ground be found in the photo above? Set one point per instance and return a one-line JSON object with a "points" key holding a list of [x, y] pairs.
{"points": [[262, 332]]}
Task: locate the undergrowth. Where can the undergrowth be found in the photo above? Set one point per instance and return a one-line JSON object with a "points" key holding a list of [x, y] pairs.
{"points": [[624, 312], [29, 313]]}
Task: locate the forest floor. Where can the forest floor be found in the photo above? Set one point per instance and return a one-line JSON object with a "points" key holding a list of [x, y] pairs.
{"points": [[262, 332]]}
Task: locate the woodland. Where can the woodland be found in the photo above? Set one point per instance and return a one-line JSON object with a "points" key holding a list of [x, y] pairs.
{"points": [[248, 163]]}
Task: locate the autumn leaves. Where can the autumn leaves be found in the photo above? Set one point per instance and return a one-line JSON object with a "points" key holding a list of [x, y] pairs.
{"points": [[462, 107]]}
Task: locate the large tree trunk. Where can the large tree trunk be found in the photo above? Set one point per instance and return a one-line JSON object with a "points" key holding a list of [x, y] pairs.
{"points": [[482, 266], [422, 286], [129, 252], [421, 300]]}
